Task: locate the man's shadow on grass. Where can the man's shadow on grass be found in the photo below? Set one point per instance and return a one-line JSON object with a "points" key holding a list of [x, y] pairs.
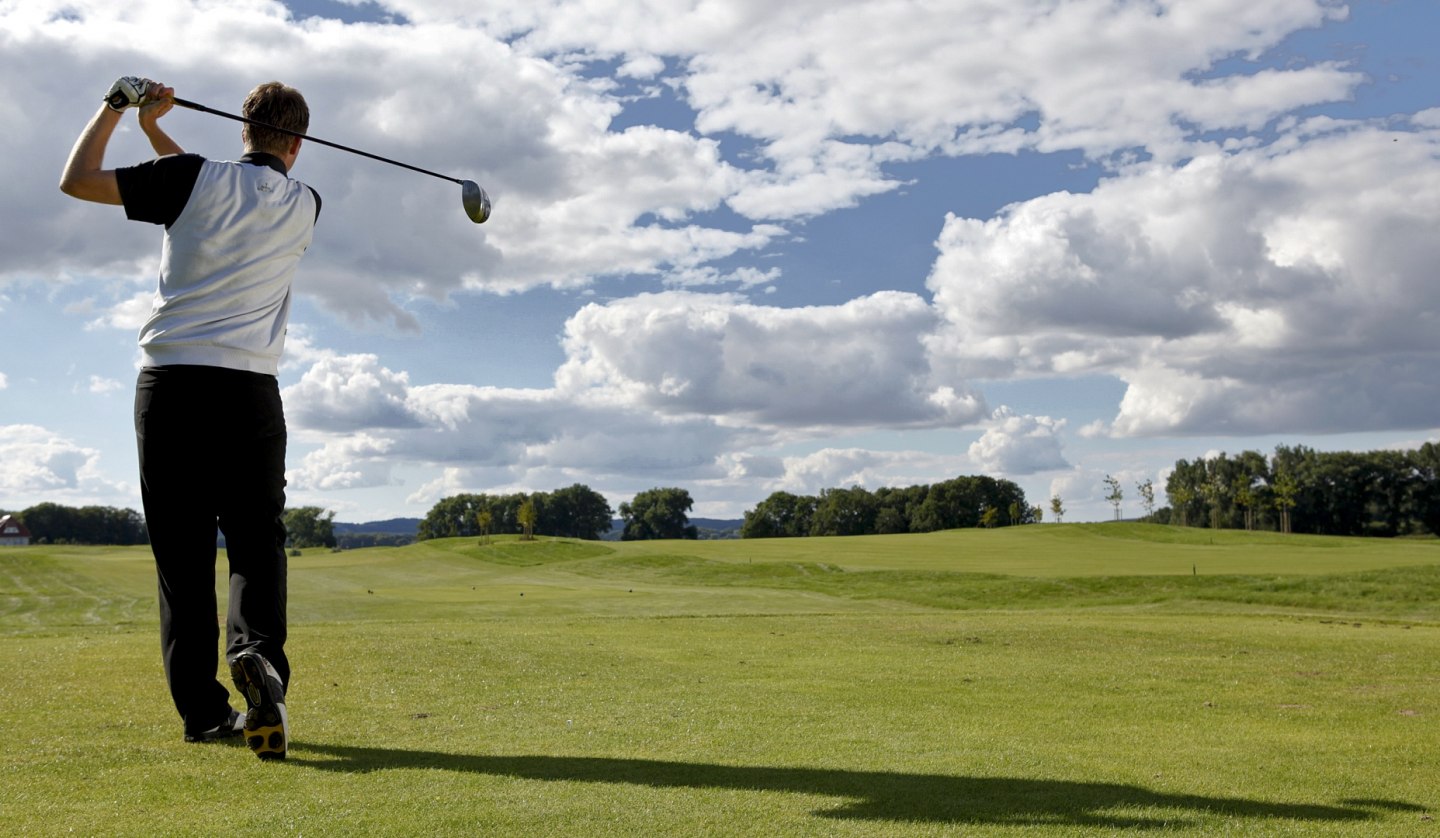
{"points": [[869, 795]]}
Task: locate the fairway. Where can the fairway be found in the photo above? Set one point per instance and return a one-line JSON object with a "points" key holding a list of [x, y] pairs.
{"points": [[1057, 680]]}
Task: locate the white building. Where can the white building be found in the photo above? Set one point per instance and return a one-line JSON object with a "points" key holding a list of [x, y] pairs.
{"points": [[13, 533]]}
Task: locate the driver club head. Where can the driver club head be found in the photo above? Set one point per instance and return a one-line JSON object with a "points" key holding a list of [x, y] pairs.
{"points": [[477, 203]]}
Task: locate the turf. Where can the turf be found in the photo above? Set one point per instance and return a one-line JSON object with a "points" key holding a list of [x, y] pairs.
{"points": [[957, 683]]}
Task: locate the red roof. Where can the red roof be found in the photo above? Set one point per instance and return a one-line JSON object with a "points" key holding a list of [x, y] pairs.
{"points": [[12, 528]]}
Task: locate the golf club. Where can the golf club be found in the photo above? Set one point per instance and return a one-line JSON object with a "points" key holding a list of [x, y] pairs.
{"points": [[476, 202]]}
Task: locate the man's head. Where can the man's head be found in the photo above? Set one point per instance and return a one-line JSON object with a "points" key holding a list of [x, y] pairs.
{"points": [[278, 105]]}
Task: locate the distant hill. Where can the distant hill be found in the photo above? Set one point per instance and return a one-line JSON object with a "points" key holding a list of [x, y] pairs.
{"points": [[710, 528], [393, 526]]}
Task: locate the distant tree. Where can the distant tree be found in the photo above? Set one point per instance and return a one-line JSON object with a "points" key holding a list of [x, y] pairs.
{"points": [[658, 513], [483, 519], [1285, 491], [1114, 494], [1038, 514], [1147, 496], [782, 515], [1057, 508], [52, 523], [526, 516], [458, 515], [890, 520], [1425, 492], [576, 512], [1180, 498], [844, 512], [989, 517], [310, 526], [1245, 499]]}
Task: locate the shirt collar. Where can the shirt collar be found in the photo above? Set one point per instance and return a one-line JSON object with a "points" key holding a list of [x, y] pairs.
{"points": [[265, 158]]}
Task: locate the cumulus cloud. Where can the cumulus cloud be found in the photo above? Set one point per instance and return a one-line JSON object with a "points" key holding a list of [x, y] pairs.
{"points": [[366, 418], [573, 199], [1019, 445], [684, 353], [1287, 286], [504, 94], [814, 81], [40, 461], [351, 462]]}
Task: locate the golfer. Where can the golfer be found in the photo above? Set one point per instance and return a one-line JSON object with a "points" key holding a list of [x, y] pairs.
{"points": [[209, 424]]}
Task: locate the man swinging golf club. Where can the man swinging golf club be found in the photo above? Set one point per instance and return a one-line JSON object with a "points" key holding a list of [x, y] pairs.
{"points": [[209, 423]]}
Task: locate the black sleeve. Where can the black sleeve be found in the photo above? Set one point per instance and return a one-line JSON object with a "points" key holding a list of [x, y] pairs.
{"points": [[157, 191], [317, 201]]}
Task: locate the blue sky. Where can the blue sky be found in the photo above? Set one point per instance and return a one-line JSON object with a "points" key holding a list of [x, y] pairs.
{"points": [[742, 247]]}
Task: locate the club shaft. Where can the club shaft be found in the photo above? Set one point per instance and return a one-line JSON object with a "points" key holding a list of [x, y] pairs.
{"points": [[196, 106]]}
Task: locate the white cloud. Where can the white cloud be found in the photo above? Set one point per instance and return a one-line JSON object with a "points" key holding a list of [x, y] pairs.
{"points": [[4, 382], [1017, 445], [42, 464], [350, 392], [682, 353], [368, 419], [351, 462], [572, 197], [502, 95], [815, 81], [101, 385], [1285, 287], [129, 314]]}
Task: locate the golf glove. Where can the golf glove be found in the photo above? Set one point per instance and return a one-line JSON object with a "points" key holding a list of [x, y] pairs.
{"points": [[127, 92]]}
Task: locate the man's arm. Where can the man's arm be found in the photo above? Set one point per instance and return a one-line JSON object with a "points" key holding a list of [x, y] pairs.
{"points": [[159, 100], [85, 176]]}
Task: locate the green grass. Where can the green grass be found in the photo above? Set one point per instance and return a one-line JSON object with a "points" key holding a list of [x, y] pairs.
{"points": [[974, 683]]}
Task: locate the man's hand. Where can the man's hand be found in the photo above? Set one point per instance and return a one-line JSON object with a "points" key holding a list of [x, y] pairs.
{"points": [[127, 92], [156, 102]]}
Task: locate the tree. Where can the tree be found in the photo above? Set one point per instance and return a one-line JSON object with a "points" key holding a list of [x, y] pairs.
{"points": [[1038, 514], [658, 513], [782, 515], [310, 526], [51, 523], [989, 517], [1245, 499], [1114, 495], [1285, 489], [576, 512], [1180, 498], [1147, 496], [458, 515], [484, 518], [526, 516], [1057, 508], [844, 512]]}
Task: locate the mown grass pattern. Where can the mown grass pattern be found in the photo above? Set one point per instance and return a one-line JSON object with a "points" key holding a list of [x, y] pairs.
{"points": [[655, 691]]}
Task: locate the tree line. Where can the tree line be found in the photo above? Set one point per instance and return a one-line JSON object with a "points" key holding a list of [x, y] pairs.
{"points": [[974, 501], [51, 523], [574, 512], [1298, 489]]}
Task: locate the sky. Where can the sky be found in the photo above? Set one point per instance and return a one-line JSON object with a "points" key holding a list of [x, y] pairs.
{"points": [[741, 246]]}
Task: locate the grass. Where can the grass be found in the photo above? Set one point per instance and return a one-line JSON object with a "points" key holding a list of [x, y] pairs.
{"points": [[976, 683]]}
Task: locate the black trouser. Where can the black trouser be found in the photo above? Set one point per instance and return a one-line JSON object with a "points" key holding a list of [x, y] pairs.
{"points": [[212, 452]]}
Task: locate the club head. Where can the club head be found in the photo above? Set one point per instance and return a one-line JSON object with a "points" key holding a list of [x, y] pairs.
{"points": [[477, 203]]}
